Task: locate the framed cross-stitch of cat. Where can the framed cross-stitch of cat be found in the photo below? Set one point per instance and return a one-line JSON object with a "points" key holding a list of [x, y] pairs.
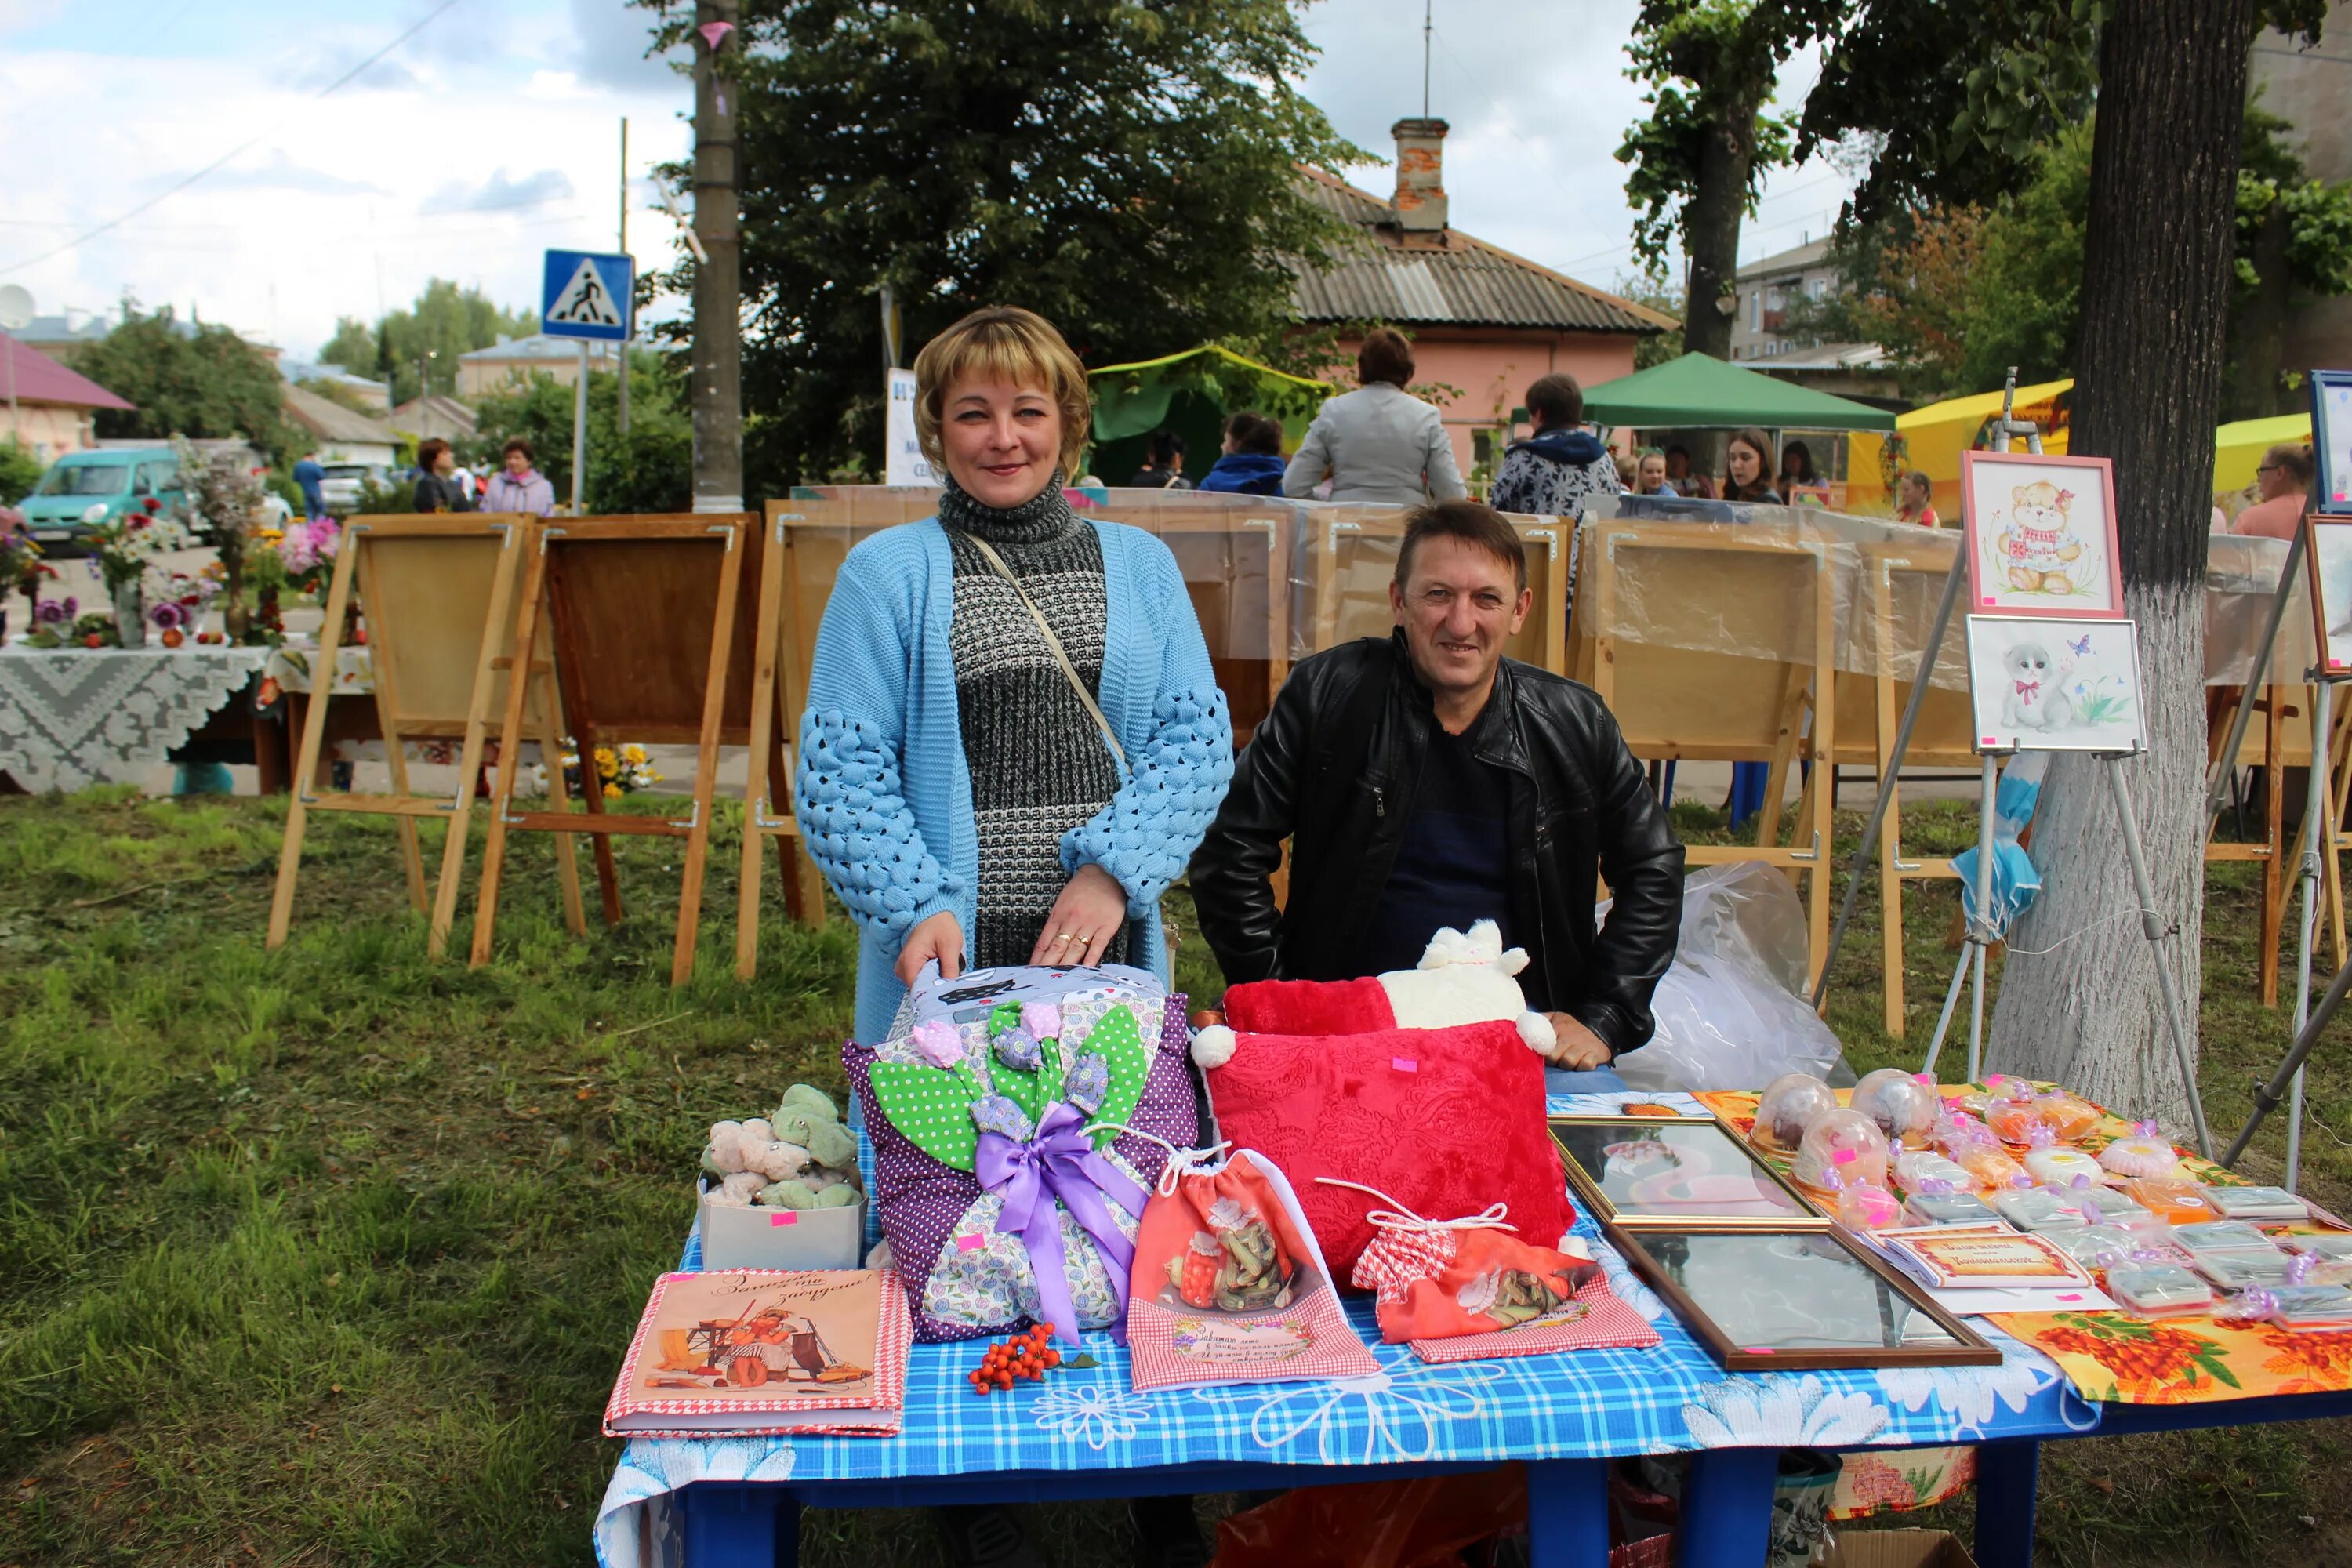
{"points": [[2045, 685], [2328, 565], [2041, 535]]}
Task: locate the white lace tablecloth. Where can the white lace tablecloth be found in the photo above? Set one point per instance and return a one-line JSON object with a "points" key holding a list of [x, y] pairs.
{"points": [[73, 718]]}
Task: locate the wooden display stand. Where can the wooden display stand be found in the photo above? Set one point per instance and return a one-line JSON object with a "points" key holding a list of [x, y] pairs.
{"points": [[1350, 559], [644, 615], [1677, 704], [439, 591]]}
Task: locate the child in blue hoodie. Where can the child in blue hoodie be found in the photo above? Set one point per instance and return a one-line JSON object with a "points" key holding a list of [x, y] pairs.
{"points": [[1251, 464], [1551, 472]]}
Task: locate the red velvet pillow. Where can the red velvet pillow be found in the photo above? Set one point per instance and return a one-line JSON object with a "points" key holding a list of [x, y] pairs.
{"points": [[1445, 1122], [1309, 1007]]}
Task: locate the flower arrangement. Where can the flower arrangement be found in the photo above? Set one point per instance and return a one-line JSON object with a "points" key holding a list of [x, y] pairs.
{"points": [[306, 552], [53, 621], [620, 771], [127, 541]]}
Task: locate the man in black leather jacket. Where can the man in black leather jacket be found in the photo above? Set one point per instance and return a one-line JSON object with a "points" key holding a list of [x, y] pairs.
{"points": [[1426, 781]]}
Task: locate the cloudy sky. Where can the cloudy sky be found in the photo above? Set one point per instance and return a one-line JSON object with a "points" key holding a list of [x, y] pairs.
{"points": [[494, 133]]}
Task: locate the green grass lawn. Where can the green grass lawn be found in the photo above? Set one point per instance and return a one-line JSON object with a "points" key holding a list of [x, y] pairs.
{"points": [[327, 1256]]}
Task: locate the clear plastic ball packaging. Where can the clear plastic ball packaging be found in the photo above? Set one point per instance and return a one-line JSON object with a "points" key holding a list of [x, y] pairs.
{"points": [[2158, 1289], [1905, 1105], [1843, 1143], [1861, 1206], [1787, 1107], [2140, 1152]]}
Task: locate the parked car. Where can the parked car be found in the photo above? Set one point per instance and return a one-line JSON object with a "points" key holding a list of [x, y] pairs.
{"points": [[85, 489], [343, 482]]}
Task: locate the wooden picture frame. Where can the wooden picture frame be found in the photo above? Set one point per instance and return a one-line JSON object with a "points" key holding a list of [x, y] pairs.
{"points": [[2004, 550], [1720, 1152], [1842, 1264], [2327, 553], [2331, 441]]}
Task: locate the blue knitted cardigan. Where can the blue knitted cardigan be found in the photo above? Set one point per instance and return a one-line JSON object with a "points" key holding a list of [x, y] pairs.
{"points": [[882, 791]]}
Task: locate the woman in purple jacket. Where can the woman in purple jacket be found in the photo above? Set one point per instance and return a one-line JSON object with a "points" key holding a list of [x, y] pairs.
{"points": [[520, 486]]}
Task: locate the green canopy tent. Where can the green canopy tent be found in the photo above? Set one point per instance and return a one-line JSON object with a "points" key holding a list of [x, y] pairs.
{"points": [[1191, 394], [1699, 392]]}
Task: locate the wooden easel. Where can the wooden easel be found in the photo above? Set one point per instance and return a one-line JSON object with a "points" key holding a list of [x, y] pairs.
{"points": [[643, 612], [1675, 704], [439, 591], [1352, 554]]}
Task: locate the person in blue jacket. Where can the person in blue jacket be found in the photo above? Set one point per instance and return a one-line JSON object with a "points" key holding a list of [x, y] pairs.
{"points": [[977, 794], [1252, 463], [1551, 472]]}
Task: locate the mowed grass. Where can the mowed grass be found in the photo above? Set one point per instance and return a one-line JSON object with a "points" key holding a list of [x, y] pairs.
{"points": [[327, 1256]]}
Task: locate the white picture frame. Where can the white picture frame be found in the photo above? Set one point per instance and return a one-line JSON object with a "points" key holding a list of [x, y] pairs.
{"points": [[2040, 684], [2329, 567]]}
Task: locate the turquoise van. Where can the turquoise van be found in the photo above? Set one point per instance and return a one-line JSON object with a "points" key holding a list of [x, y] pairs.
{"points": [[84, 489]]}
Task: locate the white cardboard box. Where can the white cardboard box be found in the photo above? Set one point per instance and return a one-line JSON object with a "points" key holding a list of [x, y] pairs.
{"points": [[753, 1236]]}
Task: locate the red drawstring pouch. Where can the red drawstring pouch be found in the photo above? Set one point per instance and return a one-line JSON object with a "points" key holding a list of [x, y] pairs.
{"points": [[1466, 1289], [1229, 1285]]}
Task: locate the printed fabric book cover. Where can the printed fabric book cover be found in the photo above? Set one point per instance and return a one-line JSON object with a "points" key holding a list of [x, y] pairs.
{"points": [[1953, 1257], [766, 1352]]}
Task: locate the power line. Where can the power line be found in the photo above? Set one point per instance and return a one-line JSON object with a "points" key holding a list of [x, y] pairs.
{"points": [[182, 184]]}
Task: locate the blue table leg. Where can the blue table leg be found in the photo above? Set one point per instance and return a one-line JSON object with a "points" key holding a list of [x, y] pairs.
{"points": [[2007, 1476], [1727, 1512], [730, 1526], [1568, 1513]]}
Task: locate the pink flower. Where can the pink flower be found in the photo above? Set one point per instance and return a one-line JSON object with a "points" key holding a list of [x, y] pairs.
{"points": [[1042, 1019], [937, 1043]]}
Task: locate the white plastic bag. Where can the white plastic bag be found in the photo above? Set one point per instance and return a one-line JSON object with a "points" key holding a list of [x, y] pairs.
{"points": [[1731, 1011]]}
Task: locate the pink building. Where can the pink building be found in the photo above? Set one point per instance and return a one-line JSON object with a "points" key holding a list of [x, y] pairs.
{"points": [[46, 408], [1481, 320]]}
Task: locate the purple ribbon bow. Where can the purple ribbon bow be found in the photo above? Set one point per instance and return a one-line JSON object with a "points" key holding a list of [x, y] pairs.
{"points": [[1060, 1163]]}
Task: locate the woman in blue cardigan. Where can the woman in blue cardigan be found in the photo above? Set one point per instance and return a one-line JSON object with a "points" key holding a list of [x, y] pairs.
{"points": [[976, 791]]}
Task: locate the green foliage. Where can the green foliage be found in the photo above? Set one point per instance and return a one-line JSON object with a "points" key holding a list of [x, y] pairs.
{"points": [[651, 470], [1127, 171], [205, 382], [19, 472], [445, 322], [1709, 67], [1658, 294], [2272, 183]]}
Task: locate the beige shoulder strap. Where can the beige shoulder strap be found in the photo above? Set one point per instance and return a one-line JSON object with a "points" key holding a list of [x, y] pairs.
{"points": [[1053, 644]]}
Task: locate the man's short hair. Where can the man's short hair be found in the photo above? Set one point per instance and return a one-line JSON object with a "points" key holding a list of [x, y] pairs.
{"points": [[1386, 355], [1251, 431], [1556, 400], [2296, 462], [1472, 522], [517, 444]]}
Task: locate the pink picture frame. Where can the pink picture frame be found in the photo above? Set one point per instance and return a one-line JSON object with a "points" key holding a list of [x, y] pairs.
{"points": [[2039, 533]]}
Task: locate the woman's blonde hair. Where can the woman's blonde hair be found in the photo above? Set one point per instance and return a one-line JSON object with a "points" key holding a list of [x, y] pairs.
{"points": [[1002, 343]]}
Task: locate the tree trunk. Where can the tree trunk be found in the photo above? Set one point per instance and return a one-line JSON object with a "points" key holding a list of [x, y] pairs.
{"points": [[2157, 273], [1711, 231]]}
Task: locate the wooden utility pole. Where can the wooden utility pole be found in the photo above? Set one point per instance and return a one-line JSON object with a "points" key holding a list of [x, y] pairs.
{"points": [[718, 315], [629, 309]]}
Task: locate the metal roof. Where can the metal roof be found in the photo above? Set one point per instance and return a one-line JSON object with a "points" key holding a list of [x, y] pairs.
{"points": [[1813, 253], [331, 421], [37, 378], [1468, 282]]}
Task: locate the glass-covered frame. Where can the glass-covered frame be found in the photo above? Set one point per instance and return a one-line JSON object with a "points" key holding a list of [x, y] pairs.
{"points": [[1740, 1351], [1783, 1206]]}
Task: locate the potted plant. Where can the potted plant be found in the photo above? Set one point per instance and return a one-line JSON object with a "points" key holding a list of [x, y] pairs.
{"points": [[126, 544]]}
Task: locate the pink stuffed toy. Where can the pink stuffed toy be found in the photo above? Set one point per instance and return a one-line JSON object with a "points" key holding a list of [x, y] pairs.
{"points": [[1462, 979]]}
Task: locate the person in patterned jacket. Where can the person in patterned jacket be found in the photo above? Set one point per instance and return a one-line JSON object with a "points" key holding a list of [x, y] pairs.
{"points": [[1551, 472]]}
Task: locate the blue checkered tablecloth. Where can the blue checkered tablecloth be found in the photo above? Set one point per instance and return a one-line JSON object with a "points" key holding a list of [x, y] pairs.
{"points": [[1586, 1404]]}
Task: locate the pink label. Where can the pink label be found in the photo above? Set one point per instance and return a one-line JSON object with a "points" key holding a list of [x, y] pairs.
{"points": [[1990, 740], [969, 1244], [1758, 1349], [1404, 1064], [2071, 1296], [787, 1217]]}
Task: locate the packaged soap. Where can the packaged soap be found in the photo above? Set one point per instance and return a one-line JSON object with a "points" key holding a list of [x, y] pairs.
{"points": [[2312, 1307], [2059, 1166], [2037, 1208], [2236, 1270], [2158, 1289], [2141, 1152], [1915, 1167], [1949, 1209], [2256, 1203], [2221, 1236], [2171, 1198]]}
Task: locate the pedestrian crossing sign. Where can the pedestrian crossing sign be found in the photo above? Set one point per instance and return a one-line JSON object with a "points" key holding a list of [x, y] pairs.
{"points": [[587, 294]]}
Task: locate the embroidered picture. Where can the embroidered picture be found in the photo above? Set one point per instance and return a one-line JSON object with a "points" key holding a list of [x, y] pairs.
{"points": [[2331, 588], [2055, 686], [2041, 535]]}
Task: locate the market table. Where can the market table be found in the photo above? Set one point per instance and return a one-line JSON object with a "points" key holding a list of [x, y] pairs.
{"points": [[71, 718], [1086, 1433]]}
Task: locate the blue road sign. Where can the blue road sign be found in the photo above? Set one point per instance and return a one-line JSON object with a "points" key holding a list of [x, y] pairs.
{"points": [[587, 294]]}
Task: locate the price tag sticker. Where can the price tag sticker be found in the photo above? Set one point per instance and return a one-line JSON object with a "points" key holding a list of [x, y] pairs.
{"points": [[1404, 1064], [785, 1217]]}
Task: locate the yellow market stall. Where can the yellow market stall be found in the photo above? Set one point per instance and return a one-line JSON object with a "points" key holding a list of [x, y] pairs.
{"points": [[2238, 449]]}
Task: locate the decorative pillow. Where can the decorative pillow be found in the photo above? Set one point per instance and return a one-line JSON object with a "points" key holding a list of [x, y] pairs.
{"points": [[1447, 1121], [1001, 1209], [1460, 979]]}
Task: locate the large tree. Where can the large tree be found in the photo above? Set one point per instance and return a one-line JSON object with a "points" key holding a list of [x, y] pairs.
{"points": [[411, 346], [1128, 171], [650, 469], [2078, 1001], [1699, 159], [193, 380]]}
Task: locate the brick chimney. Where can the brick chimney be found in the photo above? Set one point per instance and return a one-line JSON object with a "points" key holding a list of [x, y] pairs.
{"points": [[1418, 208]]}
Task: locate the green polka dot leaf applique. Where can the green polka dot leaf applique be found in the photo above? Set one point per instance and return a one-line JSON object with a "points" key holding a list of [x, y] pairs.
{"points": [[1119, 1039], [932, 1108], [1029, 1090]]}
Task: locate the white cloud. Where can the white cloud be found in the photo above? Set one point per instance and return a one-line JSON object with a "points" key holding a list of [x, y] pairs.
{"points": [[498, 192]]}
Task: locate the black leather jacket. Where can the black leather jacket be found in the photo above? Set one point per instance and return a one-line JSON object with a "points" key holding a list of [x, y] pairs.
{"points": [[1580, 808]]}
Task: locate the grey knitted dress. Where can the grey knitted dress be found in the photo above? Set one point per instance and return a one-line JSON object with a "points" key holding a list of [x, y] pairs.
{"points": [[1039, 766]]}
